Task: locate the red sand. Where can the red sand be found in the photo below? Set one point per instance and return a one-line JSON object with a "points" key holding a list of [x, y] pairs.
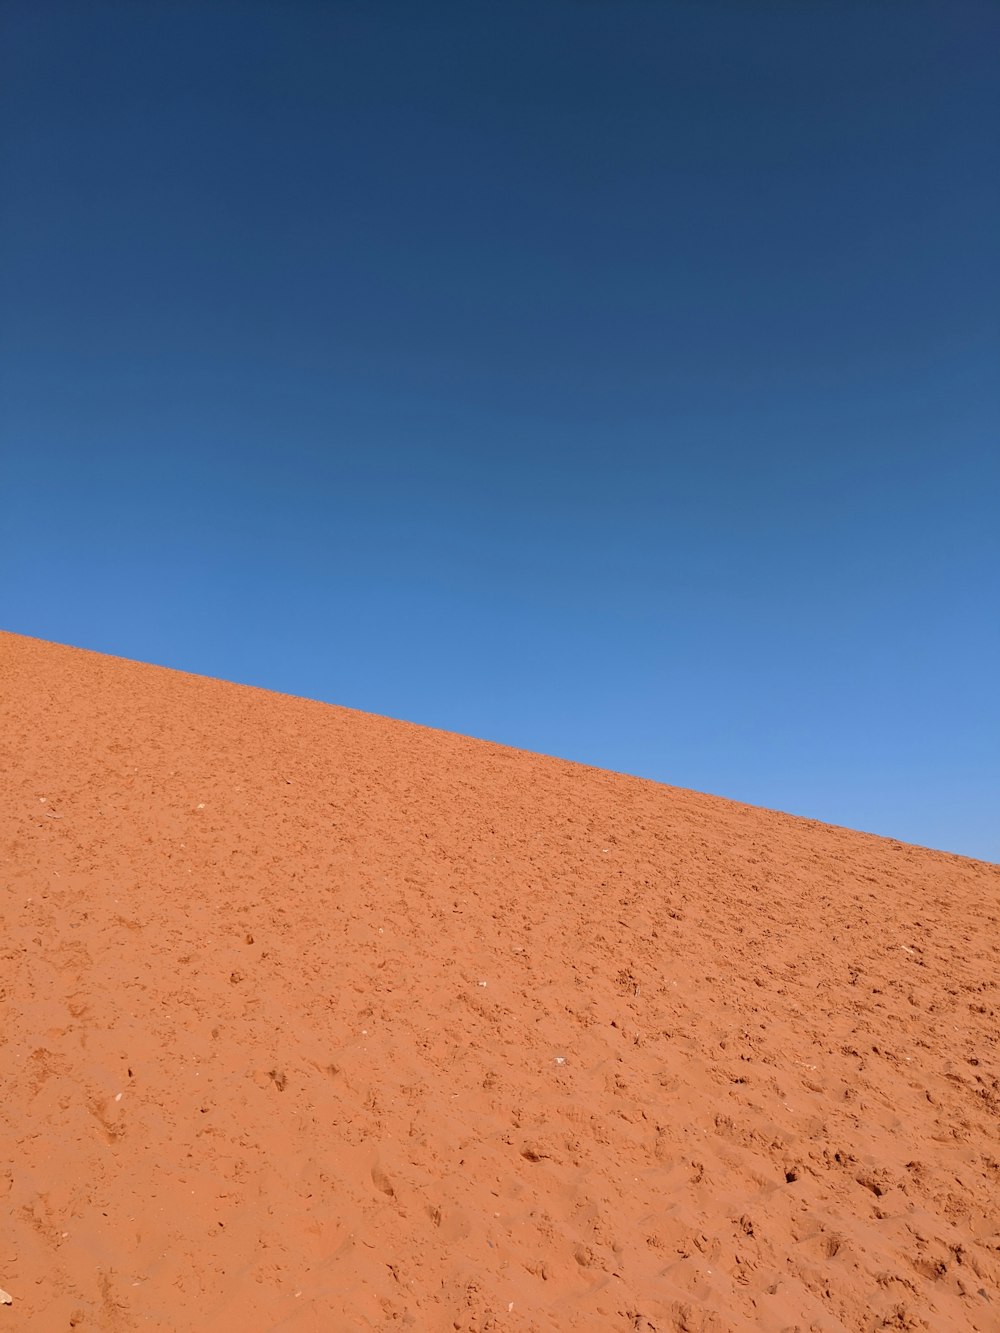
{"points": [[318, 1021]]}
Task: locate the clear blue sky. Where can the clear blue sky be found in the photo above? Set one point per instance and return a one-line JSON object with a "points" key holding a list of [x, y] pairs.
{"points": [[614, 380]]}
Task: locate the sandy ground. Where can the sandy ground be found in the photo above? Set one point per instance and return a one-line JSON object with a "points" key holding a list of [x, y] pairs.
{"points": [[314, 1021]]}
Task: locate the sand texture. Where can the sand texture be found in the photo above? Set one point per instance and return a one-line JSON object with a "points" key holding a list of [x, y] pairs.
{"points": [[313, 1020]]}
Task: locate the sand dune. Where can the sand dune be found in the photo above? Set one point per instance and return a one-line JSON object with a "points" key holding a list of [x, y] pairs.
{"points": [[314, 1021]]}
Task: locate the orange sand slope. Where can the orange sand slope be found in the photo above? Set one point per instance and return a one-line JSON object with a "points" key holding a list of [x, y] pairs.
{"points": [[318, 1021]]}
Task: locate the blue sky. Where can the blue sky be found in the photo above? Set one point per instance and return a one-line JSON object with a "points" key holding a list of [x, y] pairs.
{"points": [[613, 380]]}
